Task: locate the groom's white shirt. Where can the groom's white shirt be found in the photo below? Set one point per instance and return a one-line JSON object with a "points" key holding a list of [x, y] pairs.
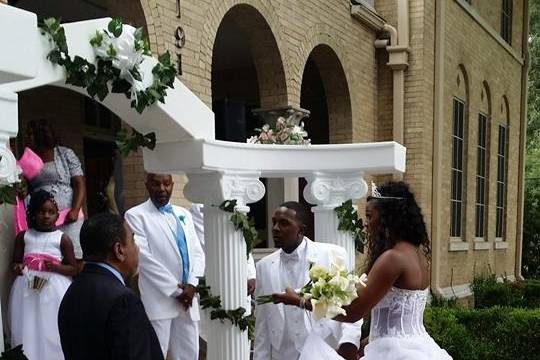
{"points": [[280, 331], [160, 263]]}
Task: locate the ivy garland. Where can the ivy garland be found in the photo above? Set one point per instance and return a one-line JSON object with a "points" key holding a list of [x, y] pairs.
{"points": [[237, 317], [243, 223], [114, 72], [97, 79], [351, 223], [8, 194], [128, 143]]}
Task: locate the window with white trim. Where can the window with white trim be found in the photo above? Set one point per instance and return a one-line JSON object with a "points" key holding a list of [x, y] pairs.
{"points": [[481, 176], [500, 218], [457, 180], [506, 21]]}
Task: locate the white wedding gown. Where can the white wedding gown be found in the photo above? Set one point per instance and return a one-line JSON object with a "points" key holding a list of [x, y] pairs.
{"points": [[397, 332]]}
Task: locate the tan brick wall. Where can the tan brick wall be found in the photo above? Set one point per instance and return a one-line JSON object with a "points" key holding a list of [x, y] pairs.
{"points": [[485, 62], [490, 11], [296, 28]]}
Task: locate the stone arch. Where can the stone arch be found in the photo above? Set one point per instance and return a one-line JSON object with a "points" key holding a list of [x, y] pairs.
{"points": [[505, 111], [486, 99], [336, 91], [319, 34], [265, 41], [462, 85]]}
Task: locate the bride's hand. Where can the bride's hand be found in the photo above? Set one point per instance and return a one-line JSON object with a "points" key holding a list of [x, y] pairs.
{"points": [[289, 297]]}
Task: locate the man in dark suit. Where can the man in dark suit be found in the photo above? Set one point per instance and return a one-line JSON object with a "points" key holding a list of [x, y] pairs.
{"points": [[100, 318]]}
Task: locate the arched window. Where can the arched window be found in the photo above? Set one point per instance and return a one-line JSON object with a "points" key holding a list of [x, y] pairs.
{"points": [[458, 163], [502, 169], [482, 161]]}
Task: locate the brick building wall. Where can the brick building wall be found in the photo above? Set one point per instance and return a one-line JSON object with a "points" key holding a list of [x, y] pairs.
{"points": [[481, 62]]}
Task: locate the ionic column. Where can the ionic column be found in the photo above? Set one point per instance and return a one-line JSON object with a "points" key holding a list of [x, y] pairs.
{"points": [[8, 175], [328, 191], [225, 250]]}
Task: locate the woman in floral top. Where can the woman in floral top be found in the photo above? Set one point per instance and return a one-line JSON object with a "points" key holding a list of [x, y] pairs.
{"points": [[62, 176]]}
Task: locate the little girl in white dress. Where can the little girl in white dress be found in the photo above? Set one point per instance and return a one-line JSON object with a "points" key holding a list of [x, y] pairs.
{"points": [[397, 288], [44, 261]]}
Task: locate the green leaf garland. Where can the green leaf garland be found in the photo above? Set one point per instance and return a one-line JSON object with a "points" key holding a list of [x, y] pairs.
{"points": [[101, 78], [8, 194], [128, 143], [351, 223], [236, 316], [243, 223]]}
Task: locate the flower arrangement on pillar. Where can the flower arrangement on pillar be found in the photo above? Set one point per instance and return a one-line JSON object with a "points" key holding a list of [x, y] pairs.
{"points": [[351, 223], [119, 53], [286, 131]]}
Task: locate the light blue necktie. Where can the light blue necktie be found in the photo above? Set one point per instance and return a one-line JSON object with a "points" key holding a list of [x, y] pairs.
{"points": [[180, 240]]}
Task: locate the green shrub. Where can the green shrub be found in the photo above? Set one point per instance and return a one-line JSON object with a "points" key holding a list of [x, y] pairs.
{"points": [[488, 292], [496, 333]]}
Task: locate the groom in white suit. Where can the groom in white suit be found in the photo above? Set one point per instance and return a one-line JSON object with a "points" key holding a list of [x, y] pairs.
{"points": [[170, 262], [281, 331]]}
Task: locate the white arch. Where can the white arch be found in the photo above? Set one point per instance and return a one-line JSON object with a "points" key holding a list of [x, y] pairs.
{"points": [[186, 117]]}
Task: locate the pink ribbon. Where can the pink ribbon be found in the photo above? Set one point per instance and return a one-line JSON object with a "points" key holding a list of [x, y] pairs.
{"points": [[36, 261]]}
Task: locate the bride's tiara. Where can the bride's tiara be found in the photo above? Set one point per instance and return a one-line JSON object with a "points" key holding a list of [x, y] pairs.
{"points": [[377, 195]]}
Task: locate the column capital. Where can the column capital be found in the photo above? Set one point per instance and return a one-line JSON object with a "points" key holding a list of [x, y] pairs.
{"points": [[212, 188], [329, 190]]}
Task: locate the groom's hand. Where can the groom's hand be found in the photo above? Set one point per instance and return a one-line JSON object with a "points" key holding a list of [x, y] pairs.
{"points": [[289, 297], [186, 297], [348, 351]]}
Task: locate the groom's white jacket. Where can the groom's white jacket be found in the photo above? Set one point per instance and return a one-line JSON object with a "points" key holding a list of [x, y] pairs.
{"points": [[160, 269], [270, 322]]}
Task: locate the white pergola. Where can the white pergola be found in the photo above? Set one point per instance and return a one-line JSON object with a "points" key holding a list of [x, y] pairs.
{"points": [[217, 170]]}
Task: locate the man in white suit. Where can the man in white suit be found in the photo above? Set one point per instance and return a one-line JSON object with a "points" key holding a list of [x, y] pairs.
{"points": [[170, 262], [281, 331]]}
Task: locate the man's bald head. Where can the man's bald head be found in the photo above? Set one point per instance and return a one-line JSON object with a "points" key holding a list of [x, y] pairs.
{"points": [[159, 188]]}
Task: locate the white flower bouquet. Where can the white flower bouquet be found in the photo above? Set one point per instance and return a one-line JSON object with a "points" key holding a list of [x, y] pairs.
{"points": [[328, 290], [331, 289]]}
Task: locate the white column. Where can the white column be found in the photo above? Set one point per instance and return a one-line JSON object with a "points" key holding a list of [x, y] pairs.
{"points": [[328, 191], [225, 251], [8, 175]]}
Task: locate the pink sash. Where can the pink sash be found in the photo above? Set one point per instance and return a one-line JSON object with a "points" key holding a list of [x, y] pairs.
{"points": [[36, 261]]}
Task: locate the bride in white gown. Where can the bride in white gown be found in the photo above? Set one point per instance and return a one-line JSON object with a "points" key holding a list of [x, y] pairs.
{"points": [[397, 288]]}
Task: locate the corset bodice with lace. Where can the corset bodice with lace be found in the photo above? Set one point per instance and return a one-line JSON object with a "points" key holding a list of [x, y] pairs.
{"points": [[399, 314]]}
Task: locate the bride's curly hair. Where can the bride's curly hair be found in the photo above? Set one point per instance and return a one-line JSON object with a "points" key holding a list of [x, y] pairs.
{"points": [[400, 219]]}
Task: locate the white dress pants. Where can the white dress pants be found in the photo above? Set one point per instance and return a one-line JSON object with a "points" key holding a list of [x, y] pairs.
{"points": [[179, 337]]}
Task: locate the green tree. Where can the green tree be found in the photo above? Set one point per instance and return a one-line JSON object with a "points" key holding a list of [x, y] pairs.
{"points": [[531, 224]]}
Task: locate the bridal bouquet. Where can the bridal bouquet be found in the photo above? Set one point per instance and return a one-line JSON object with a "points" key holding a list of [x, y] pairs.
{"points": [[329, 289]]}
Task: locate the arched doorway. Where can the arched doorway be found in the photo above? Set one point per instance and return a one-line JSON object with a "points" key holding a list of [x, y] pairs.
{"points": [[325, 93], [247, 74]]}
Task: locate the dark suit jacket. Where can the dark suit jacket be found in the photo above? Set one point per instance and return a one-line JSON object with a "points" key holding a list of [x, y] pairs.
{"points": [[100, 318]]}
